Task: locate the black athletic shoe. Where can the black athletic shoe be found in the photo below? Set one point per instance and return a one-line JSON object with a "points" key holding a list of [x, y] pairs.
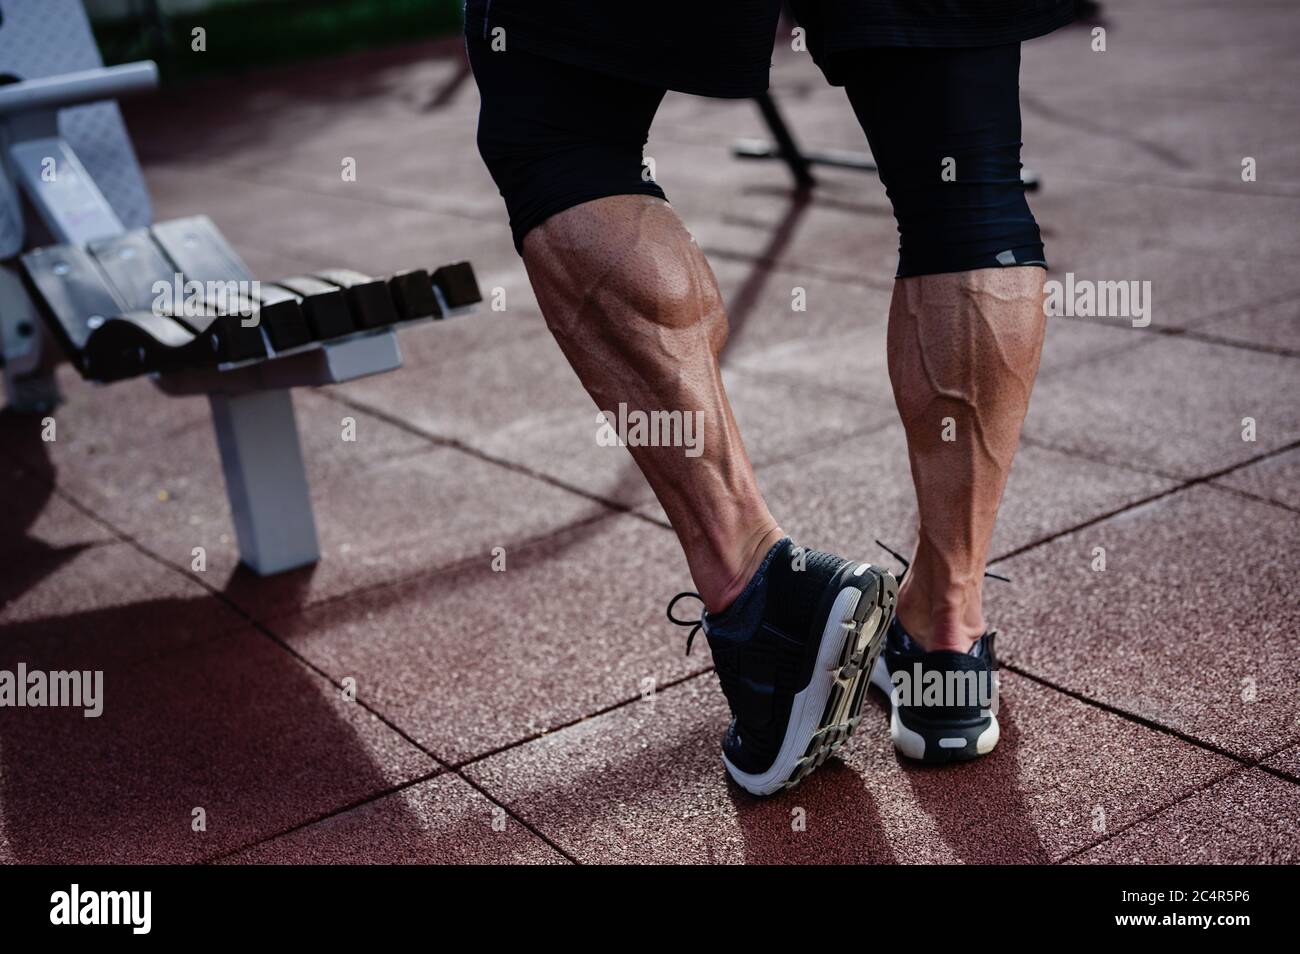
{"points": [[796, 681], [944, 704]]}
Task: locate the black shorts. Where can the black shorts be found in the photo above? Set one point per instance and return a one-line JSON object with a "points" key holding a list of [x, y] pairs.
{"points": [[943, 124], [724, 47]]}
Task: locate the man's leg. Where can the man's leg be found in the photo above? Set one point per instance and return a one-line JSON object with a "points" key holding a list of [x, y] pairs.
{"points": [[635, 308], [794, 635], [966, 322], [627, 292], [963, 353]]}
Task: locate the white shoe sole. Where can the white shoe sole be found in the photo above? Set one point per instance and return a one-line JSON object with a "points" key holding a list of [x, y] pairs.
{"points": [[827, 710]]}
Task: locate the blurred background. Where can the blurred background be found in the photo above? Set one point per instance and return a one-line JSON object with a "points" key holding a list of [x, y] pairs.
{"points": [[286, 29]]}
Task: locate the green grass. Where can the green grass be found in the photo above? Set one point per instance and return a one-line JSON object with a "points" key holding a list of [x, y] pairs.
{"points": [[243, 34]]}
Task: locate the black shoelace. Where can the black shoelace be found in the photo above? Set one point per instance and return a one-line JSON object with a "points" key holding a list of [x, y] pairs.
{"points": [[695, 624], [906, 563]]}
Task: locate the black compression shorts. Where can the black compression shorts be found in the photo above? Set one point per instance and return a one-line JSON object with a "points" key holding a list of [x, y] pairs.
{"points": [[943, 124]]}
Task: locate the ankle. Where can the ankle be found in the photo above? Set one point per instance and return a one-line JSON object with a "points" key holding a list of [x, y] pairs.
{"points": [[952, 621], [720, 589]]}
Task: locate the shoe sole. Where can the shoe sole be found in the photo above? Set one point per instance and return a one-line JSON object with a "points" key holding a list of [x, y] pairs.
{"points": [[827, 710], [935, 743]]}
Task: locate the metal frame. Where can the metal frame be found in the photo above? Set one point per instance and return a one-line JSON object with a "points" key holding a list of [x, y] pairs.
{"points": [[41, 165]]}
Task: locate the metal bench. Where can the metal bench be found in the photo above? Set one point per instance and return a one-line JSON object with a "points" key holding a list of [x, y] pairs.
{"points": [[87, 277]]}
